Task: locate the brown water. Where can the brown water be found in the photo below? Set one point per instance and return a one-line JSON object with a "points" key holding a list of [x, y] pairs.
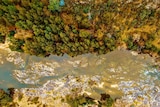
{"points": [[115, 70]]}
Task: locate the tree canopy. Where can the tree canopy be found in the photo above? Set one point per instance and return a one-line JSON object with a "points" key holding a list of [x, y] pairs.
{"points": [[59, 26]]}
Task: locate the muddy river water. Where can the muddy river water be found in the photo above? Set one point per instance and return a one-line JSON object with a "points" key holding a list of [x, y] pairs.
{"points": [[122, 73]]}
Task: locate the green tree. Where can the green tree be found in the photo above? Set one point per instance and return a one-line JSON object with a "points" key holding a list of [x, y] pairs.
{"points": [[2, 38], [21, 24], [16, 44], [12, 9], [54, 5]]}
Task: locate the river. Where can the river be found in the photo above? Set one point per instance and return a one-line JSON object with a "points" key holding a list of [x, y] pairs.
{"points": [[122, 73]]}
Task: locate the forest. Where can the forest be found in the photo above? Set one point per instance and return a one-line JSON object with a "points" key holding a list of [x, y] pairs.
{"points": [[75, 27]]}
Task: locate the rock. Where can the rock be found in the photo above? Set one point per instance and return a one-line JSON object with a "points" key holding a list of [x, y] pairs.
{"points": [[104, 96], [157, 98], [118, 102]]}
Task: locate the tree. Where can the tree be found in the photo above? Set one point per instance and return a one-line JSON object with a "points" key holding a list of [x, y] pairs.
{"points": [[16, 44], [2, 38], [12, 9], [54, 5], [21, 24]]}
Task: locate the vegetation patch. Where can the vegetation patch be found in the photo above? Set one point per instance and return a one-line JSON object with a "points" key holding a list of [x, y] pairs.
{"points": [[6, 98], [76, 27]]}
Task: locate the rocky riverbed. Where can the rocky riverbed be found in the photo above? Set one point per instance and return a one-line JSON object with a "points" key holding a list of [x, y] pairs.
{"points": [[131, 79]]}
